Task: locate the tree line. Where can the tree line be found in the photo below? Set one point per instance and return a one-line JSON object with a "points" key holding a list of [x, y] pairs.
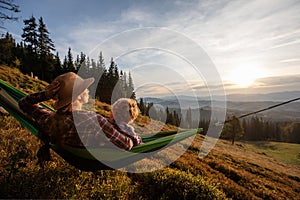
{"points": [[259, 129], [250, 129], [35, 55]]}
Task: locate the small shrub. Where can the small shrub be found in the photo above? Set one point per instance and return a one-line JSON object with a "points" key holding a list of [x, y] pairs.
{"points": [[175, 184]]}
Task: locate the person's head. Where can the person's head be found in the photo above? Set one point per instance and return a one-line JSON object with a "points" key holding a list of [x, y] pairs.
{"points": [[73, 90], [125, 110]]}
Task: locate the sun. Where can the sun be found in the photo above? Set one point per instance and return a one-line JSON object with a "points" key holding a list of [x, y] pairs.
{"points": [[245, 75]]}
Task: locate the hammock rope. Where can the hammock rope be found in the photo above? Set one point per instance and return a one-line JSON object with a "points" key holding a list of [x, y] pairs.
{"points": [[264, 109], [83, 158]]}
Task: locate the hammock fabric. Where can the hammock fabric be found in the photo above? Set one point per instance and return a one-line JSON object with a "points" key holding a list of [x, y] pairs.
{"points": [[83, 158]]}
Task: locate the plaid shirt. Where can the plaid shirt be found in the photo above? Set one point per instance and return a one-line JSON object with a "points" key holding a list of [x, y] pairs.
{"points": [[85, 128], [127, 130]]}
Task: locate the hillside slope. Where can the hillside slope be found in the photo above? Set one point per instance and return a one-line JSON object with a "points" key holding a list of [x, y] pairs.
{"points": [[29, 85], [246, 171], [260, 170]]}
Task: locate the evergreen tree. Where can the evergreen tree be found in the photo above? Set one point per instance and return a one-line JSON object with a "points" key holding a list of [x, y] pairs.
{"points": [[100, 64], [44, 48], [292, 131], [30, 40], [188, 118], [7, 49], [130, 88], [30, 36], [113, 85], [80, 65], [77, 63], [19, 53], [170, 117], [142, 106], [45, 44], [69, 62], [58, 70], [176, 119], [65, 65]]}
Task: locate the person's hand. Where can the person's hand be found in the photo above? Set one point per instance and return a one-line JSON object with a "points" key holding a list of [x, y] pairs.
{"points": [[52, 89]]}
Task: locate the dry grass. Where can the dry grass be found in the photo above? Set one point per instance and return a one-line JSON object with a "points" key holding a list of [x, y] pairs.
{"points": [[242, 173]]}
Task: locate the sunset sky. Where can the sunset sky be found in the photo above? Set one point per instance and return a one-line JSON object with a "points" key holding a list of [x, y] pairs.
{"points": [[254, 45]]}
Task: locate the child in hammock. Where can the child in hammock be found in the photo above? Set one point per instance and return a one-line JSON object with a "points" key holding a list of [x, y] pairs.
{"points": [[124, 112]]}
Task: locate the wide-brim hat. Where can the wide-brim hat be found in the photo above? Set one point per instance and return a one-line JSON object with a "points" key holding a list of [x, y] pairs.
{"points": [[71, 86]]}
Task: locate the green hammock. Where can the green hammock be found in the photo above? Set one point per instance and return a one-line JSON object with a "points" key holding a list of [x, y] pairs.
{"points": [[83, 158]]}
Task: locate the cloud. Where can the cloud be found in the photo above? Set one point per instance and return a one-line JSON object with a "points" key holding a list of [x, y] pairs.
{"points": [[230, 33], [244, 31], [274, 84], [280, 80]]}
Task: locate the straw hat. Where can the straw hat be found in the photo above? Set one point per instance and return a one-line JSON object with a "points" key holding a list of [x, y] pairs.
{"points": [[71, 86]]}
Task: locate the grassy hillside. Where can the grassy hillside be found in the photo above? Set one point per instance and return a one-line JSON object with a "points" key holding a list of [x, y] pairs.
{"points": [[261, 170], [29, 85]]}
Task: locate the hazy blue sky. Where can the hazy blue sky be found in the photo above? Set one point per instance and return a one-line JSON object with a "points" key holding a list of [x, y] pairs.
{"points": [[254, 45]]}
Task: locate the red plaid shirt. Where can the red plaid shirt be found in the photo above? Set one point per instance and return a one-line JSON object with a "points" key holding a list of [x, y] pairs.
{"points": [[128, 130], [85, 128]]}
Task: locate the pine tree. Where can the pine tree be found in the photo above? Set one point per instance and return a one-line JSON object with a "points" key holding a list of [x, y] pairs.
{"points": [[170, 117], [82, 65], [77, 63], [30, 36], [65, 65], [176, 119], [292, 131], [148, 107], [44, 48], [130, 88], [30, 60], [114, 85], [45, 44], [7, 49], [188, 118], [58, 70], [142, 106], [69, 62], [100, 64]]}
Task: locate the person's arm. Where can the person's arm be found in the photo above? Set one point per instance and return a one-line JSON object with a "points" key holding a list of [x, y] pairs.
{"points": [[114, 135], [129, 130], [29, 105]]}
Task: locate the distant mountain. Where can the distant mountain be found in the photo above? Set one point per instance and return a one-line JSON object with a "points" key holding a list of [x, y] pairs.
{"points": [[278, 96], [237, 104]]}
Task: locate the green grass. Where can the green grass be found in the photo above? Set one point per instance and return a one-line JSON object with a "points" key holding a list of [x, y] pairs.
{"points": [[285, 152]]}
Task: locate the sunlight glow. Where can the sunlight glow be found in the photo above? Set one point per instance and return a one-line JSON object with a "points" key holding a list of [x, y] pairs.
{"points": [[245, 75]]}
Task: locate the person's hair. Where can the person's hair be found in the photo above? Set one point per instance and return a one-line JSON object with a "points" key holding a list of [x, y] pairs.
{"points": [[125, 110]]}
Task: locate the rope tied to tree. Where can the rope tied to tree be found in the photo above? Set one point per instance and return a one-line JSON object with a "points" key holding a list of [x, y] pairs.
{"points": [[261, 110]]}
